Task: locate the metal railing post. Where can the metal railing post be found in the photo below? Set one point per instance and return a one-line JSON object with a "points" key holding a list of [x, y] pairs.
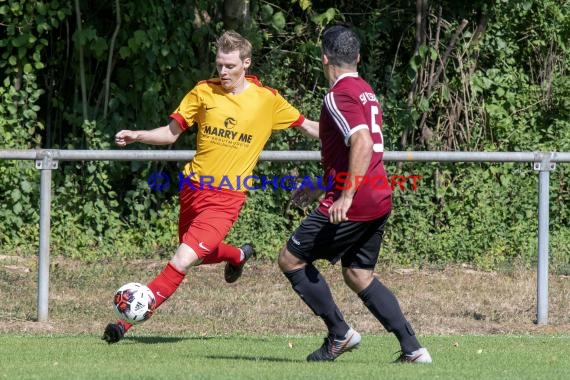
{"points": [[544, 166], [45, 165]]}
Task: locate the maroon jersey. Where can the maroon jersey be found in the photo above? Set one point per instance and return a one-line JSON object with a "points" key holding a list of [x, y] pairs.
{"points": [[350, 106]]}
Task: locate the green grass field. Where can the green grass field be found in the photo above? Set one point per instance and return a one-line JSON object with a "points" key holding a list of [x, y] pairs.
{"points": [[477, 325], [24, 356]]}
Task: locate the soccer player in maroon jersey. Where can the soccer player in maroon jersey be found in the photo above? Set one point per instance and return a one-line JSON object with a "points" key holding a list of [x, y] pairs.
{"points": [[348, 225]]}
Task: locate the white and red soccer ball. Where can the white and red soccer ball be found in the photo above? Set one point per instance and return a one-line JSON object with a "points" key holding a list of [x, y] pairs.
{"points": [[134, 303]]}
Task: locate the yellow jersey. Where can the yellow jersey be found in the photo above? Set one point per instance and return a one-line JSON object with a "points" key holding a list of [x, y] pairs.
{"points": [[232, 130]]}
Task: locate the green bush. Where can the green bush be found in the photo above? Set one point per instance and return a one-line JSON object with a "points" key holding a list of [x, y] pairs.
{"points": [[499, 84]]}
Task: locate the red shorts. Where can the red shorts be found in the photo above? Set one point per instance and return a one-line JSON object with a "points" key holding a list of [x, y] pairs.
{"points": [[206, 217]]}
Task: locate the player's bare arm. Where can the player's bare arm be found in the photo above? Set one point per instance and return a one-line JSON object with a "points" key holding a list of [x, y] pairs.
{"points": [[310, 128], [164, 135], [359, 159]]}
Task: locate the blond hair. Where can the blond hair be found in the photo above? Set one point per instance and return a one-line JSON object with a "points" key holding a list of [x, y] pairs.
{"points": [[232, 41]]}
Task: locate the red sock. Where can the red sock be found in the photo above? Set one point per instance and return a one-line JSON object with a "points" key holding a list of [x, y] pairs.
{"points": [[166, 283], [163, 286], [224, 252], [126, 325]]}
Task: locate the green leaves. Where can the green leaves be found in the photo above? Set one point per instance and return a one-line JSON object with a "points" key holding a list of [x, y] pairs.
{"points": [[269, 16], [20, 41], [505, 89], [278, 21], [326, 17], [304, 4], [266, 13]]}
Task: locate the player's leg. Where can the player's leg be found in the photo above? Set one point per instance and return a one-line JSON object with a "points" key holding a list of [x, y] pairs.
{"points": [[201, 229], [170, 278], [295, 261], [358, 273], [313, 289], [384, 305], [162, 286], [211, 221], [233, 270], [311, 286], [204, 223]]}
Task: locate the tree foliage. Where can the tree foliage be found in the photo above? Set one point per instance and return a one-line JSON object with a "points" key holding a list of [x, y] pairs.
{"points": [[480, 75]]}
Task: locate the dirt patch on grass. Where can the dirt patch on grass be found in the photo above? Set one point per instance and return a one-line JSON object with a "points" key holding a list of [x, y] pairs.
{"points": [[451, 300]]}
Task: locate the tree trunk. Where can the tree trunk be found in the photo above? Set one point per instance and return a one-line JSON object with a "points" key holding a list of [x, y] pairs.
{"points": [[236, 14]]}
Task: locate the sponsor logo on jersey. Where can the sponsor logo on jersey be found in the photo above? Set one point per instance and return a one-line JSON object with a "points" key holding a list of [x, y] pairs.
{"points": [[227, 134]]}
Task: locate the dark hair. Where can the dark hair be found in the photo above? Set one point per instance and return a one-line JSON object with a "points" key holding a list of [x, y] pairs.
{"points": [[341, 45]]}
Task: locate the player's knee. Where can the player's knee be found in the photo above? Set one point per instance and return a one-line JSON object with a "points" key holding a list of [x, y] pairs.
{"points": [[184, 258], [282, 260], [357, 279], [287, 261]]}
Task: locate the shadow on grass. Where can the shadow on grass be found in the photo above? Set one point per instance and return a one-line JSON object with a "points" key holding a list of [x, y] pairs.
{"points": [[254, 358], [162, 339]]}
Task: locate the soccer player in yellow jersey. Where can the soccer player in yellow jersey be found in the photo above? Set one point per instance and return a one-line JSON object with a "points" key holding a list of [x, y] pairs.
{"points": [[234, 115]]}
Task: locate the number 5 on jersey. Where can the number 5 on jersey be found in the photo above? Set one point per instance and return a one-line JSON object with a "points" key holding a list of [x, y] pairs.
{"points": [[375, 128]]}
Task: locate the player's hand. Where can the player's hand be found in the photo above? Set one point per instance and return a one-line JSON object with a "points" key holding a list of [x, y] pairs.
{"points": [[338, 210], [125, 137], [305, 196]]}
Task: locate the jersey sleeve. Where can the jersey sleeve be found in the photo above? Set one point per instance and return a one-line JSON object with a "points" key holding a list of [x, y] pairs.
{"points": [[284, 114], [186, 113], [347, 113]]}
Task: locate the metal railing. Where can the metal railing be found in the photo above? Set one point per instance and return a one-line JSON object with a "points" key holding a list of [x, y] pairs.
{"points": [[47, 160]]}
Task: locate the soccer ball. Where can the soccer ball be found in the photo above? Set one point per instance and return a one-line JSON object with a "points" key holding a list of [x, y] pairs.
{"points": [[134, 302]]}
